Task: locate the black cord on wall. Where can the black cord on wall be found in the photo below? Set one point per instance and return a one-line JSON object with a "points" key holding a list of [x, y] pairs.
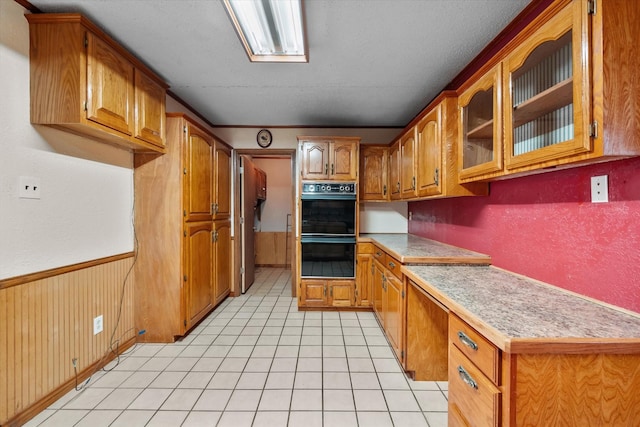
{"points": [[114, 346]]}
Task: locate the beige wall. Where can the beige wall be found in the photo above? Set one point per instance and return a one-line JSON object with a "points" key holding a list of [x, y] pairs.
{"points": [[84, 213], [274, 210], [87, 187]]}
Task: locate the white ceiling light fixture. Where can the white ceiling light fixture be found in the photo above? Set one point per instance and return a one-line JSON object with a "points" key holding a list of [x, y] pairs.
{"points": [[270, 30]]}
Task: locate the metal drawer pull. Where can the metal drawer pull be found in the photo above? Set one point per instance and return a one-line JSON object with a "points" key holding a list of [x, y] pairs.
{"points": [[464, 339], [378, 253], [392, 265], [464, 375]]}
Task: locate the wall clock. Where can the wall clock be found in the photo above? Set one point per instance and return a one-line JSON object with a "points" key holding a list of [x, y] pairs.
{"points": [[264, 138]]}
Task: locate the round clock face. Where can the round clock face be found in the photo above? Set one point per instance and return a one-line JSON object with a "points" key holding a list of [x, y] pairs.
{"points": [[264, 138]]}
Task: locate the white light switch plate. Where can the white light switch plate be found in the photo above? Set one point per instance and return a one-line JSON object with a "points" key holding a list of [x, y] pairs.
{"points": [[599, 189]]}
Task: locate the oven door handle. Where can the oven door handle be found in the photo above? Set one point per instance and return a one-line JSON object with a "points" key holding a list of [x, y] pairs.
{"points": [[331, 239]]}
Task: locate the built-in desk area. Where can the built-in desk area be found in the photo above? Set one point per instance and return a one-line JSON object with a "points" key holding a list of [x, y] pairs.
{"points": [[516, 352], [382, 286]]}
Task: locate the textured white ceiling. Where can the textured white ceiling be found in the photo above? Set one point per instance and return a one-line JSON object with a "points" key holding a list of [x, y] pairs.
{"points": [[371, 62]]}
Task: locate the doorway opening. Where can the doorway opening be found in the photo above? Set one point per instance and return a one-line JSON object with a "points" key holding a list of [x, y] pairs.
{"points": [[264, 225]]}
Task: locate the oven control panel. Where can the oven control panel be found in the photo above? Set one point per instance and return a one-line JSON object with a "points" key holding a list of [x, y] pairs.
{"points": [[328, 188]]}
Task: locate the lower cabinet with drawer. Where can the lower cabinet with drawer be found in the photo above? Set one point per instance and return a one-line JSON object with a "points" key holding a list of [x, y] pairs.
{"points": [[489, 387], [473, 398], [540, 372], [388, 300], [364, 275], [558, 386], [474, 377]]}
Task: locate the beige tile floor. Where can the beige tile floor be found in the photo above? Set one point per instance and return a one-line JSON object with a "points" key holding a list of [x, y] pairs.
{"points": [[258, 361]]}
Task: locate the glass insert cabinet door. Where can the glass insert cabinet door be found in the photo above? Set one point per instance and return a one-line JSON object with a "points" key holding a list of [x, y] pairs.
{"points": [[547, 101], [480, 138]]}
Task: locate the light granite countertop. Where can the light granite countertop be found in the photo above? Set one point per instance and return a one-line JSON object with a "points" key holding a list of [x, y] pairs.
{"points": [[412, 249], [519, 314]]}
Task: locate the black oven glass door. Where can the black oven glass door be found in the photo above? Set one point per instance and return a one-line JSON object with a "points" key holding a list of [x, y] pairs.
{"points": [[328, 257], [326, 216]]}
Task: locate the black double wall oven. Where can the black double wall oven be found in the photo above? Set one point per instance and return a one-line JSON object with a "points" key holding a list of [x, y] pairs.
{"points": [[328, 230]]}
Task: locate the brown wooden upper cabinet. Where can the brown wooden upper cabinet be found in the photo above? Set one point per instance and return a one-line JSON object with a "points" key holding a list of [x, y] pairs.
{"points": [[544, 73], [566, 100], [150, 98], [480, 127], [429, 153], [329, 158], [222, 179], [407, 164], [394, 171], [198, 173], [422, 162], [83, 82], [109, 86], [373, 173]]}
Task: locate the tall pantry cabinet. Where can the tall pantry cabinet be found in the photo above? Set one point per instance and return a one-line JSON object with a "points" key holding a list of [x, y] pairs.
{"points": [[183, 266]]}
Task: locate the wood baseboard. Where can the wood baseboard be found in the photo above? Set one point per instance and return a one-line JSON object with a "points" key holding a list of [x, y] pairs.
{"points": [[34, 409]]}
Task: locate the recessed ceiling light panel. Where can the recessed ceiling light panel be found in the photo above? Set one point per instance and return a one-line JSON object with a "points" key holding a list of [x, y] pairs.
{"points": [[270, 30]]}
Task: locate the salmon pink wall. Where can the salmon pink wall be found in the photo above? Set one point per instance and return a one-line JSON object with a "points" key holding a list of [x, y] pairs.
{"points": [[545, 227]]}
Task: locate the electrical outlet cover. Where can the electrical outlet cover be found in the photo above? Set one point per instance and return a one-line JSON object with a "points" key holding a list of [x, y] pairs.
{"points": [[97, 325], [28, 187], [599, 189]]}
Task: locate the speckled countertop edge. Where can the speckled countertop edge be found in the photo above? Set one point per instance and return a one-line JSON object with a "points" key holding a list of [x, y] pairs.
{"points": [[516, 309], [412, 249]]}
